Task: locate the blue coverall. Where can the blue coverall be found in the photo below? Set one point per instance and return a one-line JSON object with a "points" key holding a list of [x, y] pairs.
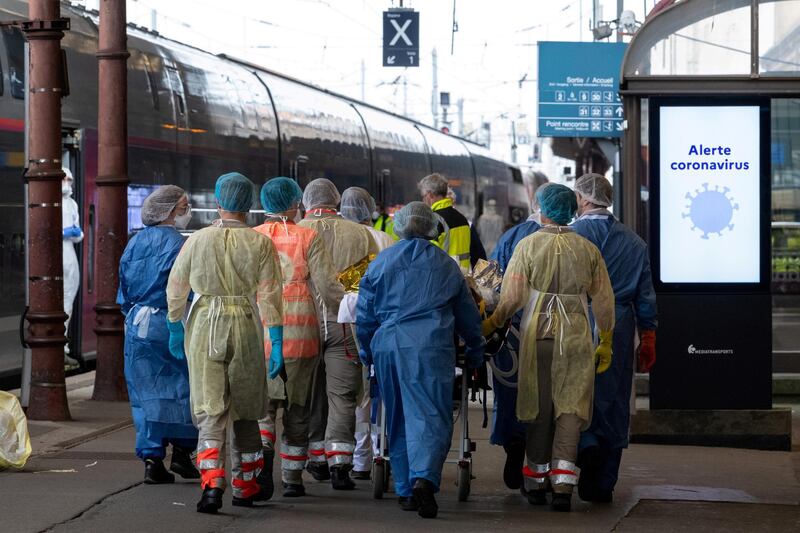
{"points": [[411, 302], [158, 384], [625, 254]]}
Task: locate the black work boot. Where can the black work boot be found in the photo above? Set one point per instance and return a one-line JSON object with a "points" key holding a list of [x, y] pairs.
{"points": [[590, 461], [424, 495], [561, 502], [264, 478], [293, 490], [515, 459], [319, 471], [536, 496], [340, 478], [244, 502], [155, 473], [408, 503], [182, 463], [211, 501]]}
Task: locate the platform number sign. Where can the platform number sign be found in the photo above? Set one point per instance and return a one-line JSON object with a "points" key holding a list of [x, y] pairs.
{"points": [[400, 38]]}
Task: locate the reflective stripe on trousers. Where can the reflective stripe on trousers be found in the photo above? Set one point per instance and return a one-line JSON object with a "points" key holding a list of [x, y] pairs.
{"points": [[316, 452], [267, 431], [212, 470], [536, 477], [293, 457], [339, 453], [564, 473], [243, 478]]}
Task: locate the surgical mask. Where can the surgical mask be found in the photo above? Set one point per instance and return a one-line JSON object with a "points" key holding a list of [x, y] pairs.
{"points": [[375, 215], [66, 189], [182, 221], [298, 216]]}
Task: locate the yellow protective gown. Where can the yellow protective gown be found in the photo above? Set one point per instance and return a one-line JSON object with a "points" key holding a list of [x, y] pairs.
{"points": [[228, 266], [347, 242], [550, 274]]}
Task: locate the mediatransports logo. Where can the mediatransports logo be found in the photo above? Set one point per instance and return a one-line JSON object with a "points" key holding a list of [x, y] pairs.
{"points": [[691, 350]]}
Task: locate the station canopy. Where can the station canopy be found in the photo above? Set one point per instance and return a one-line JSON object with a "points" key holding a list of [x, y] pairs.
{"points": [[718, 38]]}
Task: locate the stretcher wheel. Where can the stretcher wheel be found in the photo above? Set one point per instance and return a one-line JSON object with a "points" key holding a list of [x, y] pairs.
{"points": [[379, 479], [464, 480]]}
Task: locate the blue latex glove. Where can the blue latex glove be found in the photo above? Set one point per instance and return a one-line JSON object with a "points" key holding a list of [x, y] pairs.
{"points": [[276, 355], [176, 337], [72, 232]]}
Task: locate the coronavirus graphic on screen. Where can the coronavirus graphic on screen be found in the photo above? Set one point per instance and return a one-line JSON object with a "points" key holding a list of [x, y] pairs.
{"points": [[710, 210]]}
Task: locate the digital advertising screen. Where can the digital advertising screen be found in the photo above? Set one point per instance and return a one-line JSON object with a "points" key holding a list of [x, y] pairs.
{"points": [[710, 219]]}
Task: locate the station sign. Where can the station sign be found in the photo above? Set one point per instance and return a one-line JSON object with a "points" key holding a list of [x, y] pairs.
{"points": [[578, 89], [400, 38]]}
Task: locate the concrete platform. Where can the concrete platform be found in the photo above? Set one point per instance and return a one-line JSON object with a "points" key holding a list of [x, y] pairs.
{"points": [[93, 482]]}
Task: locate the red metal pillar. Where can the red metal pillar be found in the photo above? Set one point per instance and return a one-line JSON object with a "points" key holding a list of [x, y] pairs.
{"points": [[112, 186], [48, 399]]}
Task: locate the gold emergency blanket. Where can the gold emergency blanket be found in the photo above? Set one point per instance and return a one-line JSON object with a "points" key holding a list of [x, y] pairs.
{"points": [[351, 276], [551, 274]]}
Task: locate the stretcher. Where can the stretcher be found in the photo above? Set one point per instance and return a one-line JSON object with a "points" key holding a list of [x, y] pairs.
{"points": [[459, 455]]}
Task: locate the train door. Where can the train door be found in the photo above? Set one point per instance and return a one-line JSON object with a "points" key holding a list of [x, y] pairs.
{"points": [[181, 126], [70, 159]]}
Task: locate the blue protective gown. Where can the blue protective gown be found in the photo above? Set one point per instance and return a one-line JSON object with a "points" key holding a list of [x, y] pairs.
{"points": [[628, 264], [505, 427], [158, 384], [411, 301]]}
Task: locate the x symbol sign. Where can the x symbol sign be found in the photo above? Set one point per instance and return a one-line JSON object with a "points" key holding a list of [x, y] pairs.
{"points": [[401, 32]]}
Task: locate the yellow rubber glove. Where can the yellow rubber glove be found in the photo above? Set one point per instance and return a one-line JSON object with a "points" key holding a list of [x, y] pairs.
{"points": [[602, 355], [488, 327]]}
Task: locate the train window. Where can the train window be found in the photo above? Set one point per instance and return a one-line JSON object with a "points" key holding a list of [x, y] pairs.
{"points": [[15, 46], [516, 175], [2, 83], [151, 82]]}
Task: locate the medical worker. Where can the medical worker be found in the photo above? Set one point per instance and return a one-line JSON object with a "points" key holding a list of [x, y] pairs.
{"points": [[357, 205], [382, 221], [71, 234], [304, 260], [507, 431], [552, 274], [332, 440], [158, 383], [235, 275], [411, 302], [490, 225], [625, 254], [453, 231]]}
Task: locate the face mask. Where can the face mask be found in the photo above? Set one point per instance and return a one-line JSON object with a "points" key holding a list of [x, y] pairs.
{"points": [[298, 216], [66, 189], [182, 221], [375, 215]]}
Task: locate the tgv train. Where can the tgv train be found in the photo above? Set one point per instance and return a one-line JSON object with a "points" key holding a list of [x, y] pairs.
{"points": [[193, 116]]}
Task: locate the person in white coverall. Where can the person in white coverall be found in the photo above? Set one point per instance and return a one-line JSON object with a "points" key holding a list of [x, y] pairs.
{"points": [[71, 233]]}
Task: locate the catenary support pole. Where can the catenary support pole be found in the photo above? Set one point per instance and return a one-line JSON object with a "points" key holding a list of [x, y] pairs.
{"points": [[45, 315], [112, 182]]}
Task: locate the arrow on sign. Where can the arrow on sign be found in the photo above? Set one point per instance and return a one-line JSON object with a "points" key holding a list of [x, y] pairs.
{"points": [[618, 111], [390, 60], [620, 126]]}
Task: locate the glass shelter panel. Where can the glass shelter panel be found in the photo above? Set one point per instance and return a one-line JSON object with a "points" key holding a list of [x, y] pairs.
{"points": [[786, 232], [779, 38], [709, 37]]}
